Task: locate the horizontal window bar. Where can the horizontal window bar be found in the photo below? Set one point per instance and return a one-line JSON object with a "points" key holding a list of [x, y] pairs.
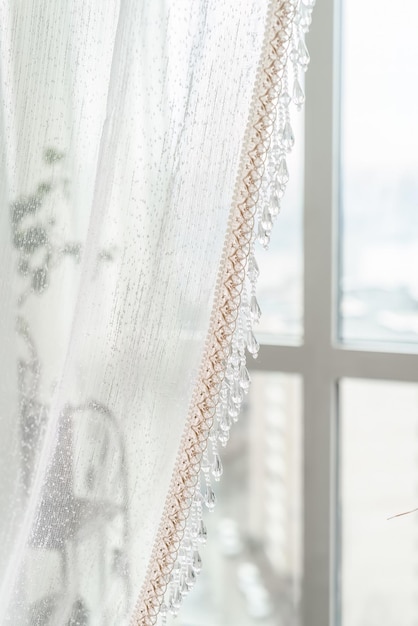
{"points": [[338, 362]]}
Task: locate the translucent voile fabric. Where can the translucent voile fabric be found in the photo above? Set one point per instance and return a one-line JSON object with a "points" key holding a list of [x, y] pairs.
{"points": [[121, 129]]}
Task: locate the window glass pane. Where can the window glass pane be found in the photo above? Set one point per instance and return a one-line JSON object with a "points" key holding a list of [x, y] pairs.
{"points": [[280, 284], [252, 563], [379, 478], [379, 281]]}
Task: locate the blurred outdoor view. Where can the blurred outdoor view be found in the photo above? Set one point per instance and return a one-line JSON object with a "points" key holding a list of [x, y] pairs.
{"points": [[252, 570], [379, 168], [378, 226], [378, 479]]}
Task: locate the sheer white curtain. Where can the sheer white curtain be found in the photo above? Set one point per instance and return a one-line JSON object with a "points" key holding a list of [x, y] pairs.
{"points": [[134, 137], [121, 129]]}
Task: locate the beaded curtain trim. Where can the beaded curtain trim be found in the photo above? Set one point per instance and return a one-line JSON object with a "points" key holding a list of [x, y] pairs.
{"points": [[223, 379]]}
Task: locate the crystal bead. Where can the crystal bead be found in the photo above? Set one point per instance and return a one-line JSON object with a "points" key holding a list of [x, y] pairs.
{"points": [[271, 167], [182, 554], [303, 53], [193, 529], [266, 220], [263, 236], [288, 138], [282, 172], [298, 95], [225, 421], [285, 99], [224, 392], [173, 610], [279, 189], [234, 359], [205, 465], [255, 310], [210, 498], [187, 544], [229, 375], [244, 378], [202, 533], [176, 600], [183, 586], [236, 393], [252, 344], [191, 576], [223, 438], [233, 407], [217, 468], [253, 269], [274, 204], [305, 20], [197, 562], [293, 56]]}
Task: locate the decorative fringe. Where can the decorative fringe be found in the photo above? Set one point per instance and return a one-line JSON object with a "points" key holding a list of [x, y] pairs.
{"points": [[224, 380]]}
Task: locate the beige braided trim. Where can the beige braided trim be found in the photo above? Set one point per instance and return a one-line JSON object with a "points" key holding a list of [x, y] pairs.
{"points": [[226, 304]]}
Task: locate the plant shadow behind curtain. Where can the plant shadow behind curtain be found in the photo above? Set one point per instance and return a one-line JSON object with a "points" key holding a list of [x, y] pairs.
{"points": [[122, 126]]}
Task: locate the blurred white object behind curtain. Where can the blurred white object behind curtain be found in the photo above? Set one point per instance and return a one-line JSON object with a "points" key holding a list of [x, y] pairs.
{"points": [[121, 126]]}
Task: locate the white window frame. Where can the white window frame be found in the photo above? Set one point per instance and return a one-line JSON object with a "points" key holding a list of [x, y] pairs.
{"points": [[322, 360]]}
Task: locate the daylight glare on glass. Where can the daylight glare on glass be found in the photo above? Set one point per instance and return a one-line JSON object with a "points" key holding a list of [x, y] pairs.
{"points": [[379, 183]]}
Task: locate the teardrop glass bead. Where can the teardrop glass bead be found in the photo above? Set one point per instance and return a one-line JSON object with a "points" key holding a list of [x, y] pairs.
{"points": [[172, 609], [197, 562], [205, 465], [253, 269], [279, 189], [263, 236], [298, 95], [285, 99], [274, 204], [176, 601], [210, 498], [255, 310], [183, 586], [191, 576], [293, 55], [266, 220], [202, 533], [187, 545], [223, 438], [244, 378], [233, 409], [303, 54], [217, 469], [309, 4], [252, 344], [288, 137], [234, 358], [229, 374], [282, 172], [271, 167], [225, 421], [236, 393]]}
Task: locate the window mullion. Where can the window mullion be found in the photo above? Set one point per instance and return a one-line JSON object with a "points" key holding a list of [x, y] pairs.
{"points": [[319, 306]]}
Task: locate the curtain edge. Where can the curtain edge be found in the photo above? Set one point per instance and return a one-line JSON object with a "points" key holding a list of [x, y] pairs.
{"points": [[227, 300]]}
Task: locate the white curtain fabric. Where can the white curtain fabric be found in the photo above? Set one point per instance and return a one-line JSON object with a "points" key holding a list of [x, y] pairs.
{"points": [[121, 130]]}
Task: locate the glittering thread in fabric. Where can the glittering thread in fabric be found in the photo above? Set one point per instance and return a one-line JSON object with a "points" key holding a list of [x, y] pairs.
{"points": [[231, 307]]}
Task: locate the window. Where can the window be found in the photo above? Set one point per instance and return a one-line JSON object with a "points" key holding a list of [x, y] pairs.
{"points": [[339, 364], [359, 321]]}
